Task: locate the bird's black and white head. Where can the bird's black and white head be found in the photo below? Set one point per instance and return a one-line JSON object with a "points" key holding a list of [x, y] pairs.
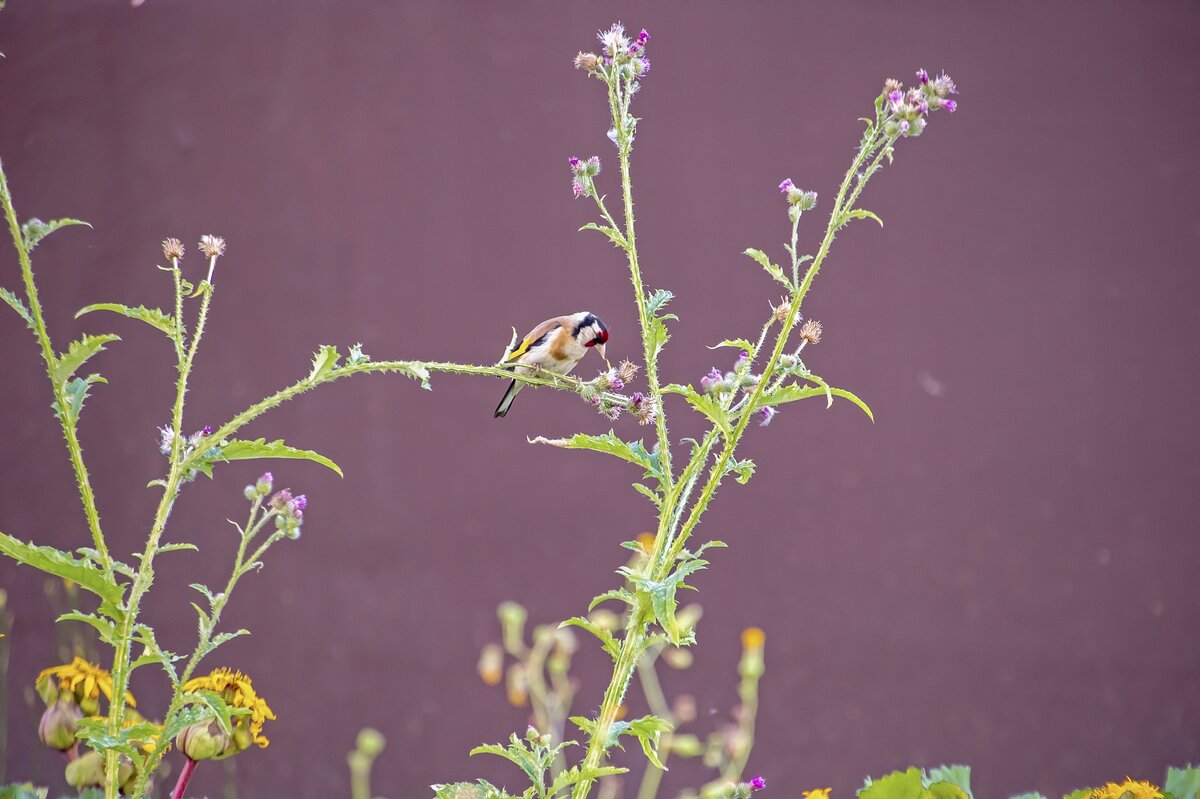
{"points": [[590, 331]]}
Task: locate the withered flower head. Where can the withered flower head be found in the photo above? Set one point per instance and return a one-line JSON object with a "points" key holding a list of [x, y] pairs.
{"points": [[212, 246], [627, 370], [172, 249], [587, 61], [810, 331]]}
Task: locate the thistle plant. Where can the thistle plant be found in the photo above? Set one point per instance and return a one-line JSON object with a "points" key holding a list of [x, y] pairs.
{"points": [[221, 714]]}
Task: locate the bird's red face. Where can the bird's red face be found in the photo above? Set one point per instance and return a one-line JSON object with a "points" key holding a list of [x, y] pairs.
{"points": [[593, 333]]}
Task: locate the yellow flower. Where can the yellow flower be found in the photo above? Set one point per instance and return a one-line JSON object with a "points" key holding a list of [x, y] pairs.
{"points": [[85, 680], [238, 692], [817, 793], [1129, 789], [754, 638]]}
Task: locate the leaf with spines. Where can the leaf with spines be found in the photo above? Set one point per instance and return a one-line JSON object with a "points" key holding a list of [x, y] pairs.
{"points": [[774, 270], [236, 449], [577, 774], [708, 405], [1183, 783], [859, 213], [78, 353], [607, 641], [658, 300], [649, 493], [35, 229], [618, 594], [324, 361], [480, 789], [647, 730], [63, 564], [744, 469], [661, 597], [793, 392], [151, 316], [959, 775], [736, 343], [103, 627], [610, 444], [614, 235], [15, 303]]}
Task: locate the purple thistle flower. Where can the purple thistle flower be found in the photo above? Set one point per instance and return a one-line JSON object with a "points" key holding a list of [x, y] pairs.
{"points": [[757, 783], [300, 502], [711, 380], [267, 477], [615, 383], [642, 38], [904, 126], [643, 66], [896, 97], [298, 515], [207, 430], [922, 76], [949, 105], [574, 162], [577, 189], [636, 400], [765, 415], [786, 186], [741, 360]]}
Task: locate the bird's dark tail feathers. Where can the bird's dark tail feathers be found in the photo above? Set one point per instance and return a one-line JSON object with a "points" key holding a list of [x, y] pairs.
{"points": [[507, 401]]}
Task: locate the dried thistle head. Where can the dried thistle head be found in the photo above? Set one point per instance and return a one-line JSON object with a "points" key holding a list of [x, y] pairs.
{"points": [[810, 331], [172, 249], [627, 370], [781, 311], [212, 246], [587, 61]]}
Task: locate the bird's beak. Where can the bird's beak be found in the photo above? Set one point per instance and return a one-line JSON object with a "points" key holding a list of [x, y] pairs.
{"points": [[600, 349]]}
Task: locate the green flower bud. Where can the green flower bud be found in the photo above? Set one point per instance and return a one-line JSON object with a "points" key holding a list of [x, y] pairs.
{"points": [[59, 724], [203, 740], [90, 706], [250, 492], [370, 742], [241, 740], [87, 771]]}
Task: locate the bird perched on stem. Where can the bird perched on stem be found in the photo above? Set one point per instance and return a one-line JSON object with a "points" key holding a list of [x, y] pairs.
{"points": [[555, 345]]}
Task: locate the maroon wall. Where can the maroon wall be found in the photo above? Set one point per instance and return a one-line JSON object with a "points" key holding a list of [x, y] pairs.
{"points": [[1000, 571]]}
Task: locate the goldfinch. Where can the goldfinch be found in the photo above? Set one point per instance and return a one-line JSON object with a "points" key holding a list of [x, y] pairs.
{"points": [[555, 345]]}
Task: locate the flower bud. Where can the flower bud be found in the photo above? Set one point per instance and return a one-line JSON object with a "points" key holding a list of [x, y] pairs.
{"points": [[87, 771], [204, 740], [370, 742], [757, 783], [491, 664], [265, 483], [250, 493], [59, 723]]}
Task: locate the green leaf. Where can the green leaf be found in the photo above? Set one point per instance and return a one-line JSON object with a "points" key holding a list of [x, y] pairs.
{"points": [[102, 626], [955, 775], [62, 564], [687, 555], [480, 789], [859, 213], [178, 548], [1183, 783], [24, 790], [947, 790], [661, 594], [649, 493], [774, 270], [237, 449], [607, 641], [608, 443], [35, 229], [614, 235], [744, 469], [15, 303], [517, 754], [75, 392], [736, 343], [151, 316], [657, 332], [78, 353], [793, 392], [658, 300], [708, 405], [897, 785], [574, 775], [324, 361], [648, 729], [619, 594], [215, 706]]}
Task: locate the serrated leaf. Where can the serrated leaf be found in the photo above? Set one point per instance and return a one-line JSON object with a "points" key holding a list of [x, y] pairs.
{"points": [[151, 316], [657, 301], [78, 353], [480, 789], [743, 468], [736, 343], [574, 775], [515, 754], [793, 392], [649, 493], [203, 589], [705, 404], [225, 638], [860, 213], [35, 229], [103, 627], [610, 444], [1183, 783], [178, 548], [24, 790], [607, 641], [619, 594], [954, 774], [657, 333], [648, 729], [774, 270], [215, 704], [15, 303], [62, 564], [237, 449], [324, 361], [614, 235], [1030, 795], [897, 785], [946, 790]]}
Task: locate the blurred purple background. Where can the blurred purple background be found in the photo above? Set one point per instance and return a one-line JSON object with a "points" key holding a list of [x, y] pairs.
{"points": [[1001, 571]]}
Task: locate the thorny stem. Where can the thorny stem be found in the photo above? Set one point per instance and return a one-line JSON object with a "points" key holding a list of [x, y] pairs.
{"points": [[652, 688], [68, 427]]}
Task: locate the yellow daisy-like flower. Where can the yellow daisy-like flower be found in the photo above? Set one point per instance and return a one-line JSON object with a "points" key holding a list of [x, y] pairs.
{"points": [[86, 680], [238, 692], [1129, 789], [817, 793]]}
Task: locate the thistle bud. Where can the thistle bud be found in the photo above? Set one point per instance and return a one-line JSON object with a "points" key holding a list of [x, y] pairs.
{"points": [[204, 740], [627, 370], [265, 483], [370, 742], [891, 85], [491, 664], [59, 723], [250, 493]]}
